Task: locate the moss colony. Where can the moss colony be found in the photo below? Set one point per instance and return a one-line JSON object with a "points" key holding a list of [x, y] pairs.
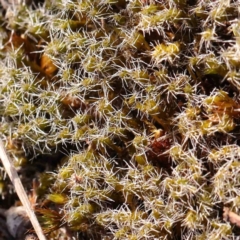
{"points": [[138, 103]]}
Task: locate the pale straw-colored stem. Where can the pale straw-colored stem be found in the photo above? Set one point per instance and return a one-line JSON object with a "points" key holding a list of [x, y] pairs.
{"points": [[13, 175]]}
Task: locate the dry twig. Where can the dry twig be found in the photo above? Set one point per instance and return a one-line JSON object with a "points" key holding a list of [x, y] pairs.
{"points": [[12, 173]]}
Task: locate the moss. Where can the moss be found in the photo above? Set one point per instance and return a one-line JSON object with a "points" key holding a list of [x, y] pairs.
{"points": [[142, 98]]}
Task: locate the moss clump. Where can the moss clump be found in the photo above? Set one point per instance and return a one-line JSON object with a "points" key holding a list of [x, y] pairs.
{"points": [[142, 98]]}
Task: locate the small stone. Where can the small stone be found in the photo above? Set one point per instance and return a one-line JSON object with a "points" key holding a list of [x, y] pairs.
{"points": [[4, 234], [18, 223]]}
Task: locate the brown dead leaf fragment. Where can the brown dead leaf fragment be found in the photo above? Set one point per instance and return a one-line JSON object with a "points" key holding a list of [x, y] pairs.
{"points": [[21, 41], [48, 66], [73, 102], [231, 217]]}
